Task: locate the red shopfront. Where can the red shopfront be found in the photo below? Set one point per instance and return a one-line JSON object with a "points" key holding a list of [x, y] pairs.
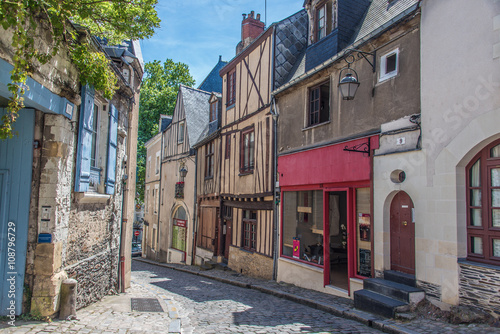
{"points": [[326, 197]]}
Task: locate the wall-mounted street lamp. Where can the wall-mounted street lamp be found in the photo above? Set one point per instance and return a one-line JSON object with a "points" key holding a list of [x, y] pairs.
{"points": [[348, 85], [183, 171]]}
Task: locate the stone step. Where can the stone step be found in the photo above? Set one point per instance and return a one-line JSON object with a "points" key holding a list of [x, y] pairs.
{"points": [[376, 303], [402, 292], [399, 277]]}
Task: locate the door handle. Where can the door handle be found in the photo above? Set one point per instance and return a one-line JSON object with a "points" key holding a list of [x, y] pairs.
{"points": [[404, 223]]}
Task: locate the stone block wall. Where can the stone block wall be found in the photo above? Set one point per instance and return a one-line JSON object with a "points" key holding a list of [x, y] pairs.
{"points": [[479, 286], [432, 291], [250, 264]]}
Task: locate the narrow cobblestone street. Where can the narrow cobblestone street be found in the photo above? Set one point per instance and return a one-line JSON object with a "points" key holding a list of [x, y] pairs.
{"points": [[195, 303]]}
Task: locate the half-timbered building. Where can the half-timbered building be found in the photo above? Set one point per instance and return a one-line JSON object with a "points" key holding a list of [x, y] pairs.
{"points": [[210, 236], [178, 176], [246, 154]]}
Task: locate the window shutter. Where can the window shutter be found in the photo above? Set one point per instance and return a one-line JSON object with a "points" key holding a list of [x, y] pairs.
{"points": [[112, 143], [82, 176]]}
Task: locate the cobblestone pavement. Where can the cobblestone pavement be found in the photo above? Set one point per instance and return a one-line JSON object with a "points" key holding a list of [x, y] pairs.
{"points": [[197, 301], [209, 306]]}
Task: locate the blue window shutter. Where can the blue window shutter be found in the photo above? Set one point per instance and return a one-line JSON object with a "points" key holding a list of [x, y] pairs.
{"points": [[82, 176], [112, 143]]}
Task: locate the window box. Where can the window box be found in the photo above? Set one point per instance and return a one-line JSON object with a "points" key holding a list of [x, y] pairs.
{"points": [[179, 190]]}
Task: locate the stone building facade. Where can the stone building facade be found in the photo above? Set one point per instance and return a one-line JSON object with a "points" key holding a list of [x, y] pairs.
{"points": [[74, 186]]}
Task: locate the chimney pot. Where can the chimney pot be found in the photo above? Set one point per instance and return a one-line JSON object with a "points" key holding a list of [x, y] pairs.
{"points": [[251, 14], [244, 16], [258, 17]]}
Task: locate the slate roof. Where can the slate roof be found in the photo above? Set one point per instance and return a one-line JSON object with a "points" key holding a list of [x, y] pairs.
{"points": [[380, 15], [196, 110], [165, 121], [213, 81]]}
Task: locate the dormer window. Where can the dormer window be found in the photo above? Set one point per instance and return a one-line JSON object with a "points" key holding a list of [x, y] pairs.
{"points": [[213, 111], [326, 19]]}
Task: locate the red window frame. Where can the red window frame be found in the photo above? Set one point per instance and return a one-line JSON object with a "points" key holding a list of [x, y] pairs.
{"points": [[247, 151], [486, 232], [209, 160], [231, 88], [249, 236]]}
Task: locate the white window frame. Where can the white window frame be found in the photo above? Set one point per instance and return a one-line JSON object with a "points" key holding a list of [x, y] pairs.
{"points": [[149, 167], [157, 170], [384, 75], [146, 200], [155, 197], [180, 137]]}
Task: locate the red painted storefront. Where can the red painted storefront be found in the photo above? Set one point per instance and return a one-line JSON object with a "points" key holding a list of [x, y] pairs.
{"points": [[331, 170]]}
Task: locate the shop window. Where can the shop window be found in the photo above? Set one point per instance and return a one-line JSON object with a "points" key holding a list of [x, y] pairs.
{"points": [[319, 104], [303, 226], [231, 88], [249, 239], [180, 137], [247, 151], [483, 206], [179, 230], [326, 19], [389, 64], [363, 231], [209, 160]]}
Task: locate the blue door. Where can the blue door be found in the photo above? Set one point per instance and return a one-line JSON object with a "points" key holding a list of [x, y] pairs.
{"points": [[16, 161]]}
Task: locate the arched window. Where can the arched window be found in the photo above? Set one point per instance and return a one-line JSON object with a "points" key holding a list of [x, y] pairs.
{"points": [[483, 206], [179, 230]]}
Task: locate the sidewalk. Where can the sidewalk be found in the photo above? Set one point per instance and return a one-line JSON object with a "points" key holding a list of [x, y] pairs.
{"points": [[112, 314], [338, 306]]}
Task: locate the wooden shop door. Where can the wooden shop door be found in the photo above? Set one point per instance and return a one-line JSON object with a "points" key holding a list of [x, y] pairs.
{"points": [[402, 234]]}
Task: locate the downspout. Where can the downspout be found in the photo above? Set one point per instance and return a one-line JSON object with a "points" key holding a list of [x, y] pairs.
{"points": [[275, 114], [195, 202], [159, 200], [121, 267]]}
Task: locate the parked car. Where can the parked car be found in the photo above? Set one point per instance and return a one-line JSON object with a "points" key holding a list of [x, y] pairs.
{"points": [[136, 249]]}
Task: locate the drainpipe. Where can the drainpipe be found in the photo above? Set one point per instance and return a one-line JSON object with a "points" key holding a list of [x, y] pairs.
{"points": [[275, 114], [159, 201], [121, 267], [195, 201]]}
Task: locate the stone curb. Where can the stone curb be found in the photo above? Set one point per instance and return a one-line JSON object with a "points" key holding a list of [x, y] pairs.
{"points": [[370, 320]]}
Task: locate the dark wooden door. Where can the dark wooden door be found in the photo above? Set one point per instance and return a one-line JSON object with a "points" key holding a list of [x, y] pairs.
{"points": [[229, 227], [402, 234]]}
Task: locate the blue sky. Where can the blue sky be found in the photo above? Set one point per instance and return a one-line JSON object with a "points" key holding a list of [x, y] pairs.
{"points": [[196, 32]]}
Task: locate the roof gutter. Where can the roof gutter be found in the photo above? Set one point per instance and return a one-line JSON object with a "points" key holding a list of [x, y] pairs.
{"points": [[354, 45]]}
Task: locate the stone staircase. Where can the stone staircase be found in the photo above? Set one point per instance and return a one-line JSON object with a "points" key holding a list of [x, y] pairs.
{"points": [[386, 297]]}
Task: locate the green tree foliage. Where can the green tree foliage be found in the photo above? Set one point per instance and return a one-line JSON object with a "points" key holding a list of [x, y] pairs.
{"points": [[158, 96], [113, 20]]}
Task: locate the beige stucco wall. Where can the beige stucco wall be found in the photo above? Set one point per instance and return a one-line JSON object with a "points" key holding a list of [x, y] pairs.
{"points": [[153, 147], [460, 115], [169, 204]]}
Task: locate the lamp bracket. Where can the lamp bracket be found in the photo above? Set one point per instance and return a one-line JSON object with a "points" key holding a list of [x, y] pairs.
{"points": [[361, 54], [360, 148]]}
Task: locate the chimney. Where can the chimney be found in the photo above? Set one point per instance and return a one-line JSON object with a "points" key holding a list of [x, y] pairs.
{"points": [[251, 28]]}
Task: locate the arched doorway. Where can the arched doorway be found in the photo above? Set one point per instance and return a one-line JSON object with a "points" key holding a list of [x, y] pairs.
{"points": [[402, 234], [179, 231]]}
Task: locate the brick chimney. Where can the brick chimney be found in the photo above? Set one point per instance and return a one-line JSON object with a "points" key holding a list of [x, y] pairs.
{"points": [[251, 28]]}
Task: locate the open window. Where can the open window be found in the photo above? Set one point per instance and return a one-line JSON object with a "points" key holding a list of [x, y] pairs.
{"points": [[325, 19], [319, 104], [97, 144]]}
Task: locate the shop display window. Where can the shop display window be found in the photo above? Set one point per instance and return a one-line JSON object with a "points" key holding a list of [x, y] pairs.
{"points": [[303, 226], [363, 231]]}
